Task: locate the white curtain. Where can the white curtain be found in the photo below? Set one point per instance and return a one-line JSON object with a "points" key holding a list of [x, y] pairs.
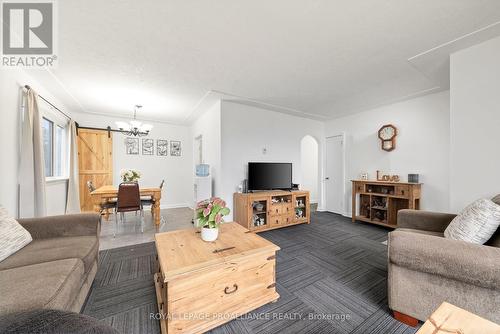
{"points": [[73, 196], [32, 167]]}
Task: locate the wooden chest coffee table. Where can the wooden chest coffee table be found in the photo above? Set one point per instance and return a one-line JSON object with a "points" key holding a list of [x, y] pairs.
{"points": [[201, 285], [449, 318]]}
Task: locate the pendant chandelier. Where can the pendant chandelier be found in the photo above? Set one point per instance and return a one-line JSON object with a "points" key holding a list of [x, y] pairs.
{"points": [[134, 127]]}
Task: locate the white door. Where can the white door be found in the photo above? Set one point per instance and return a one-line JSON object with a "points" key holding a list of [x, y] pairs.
{"points": [[334, 176]]}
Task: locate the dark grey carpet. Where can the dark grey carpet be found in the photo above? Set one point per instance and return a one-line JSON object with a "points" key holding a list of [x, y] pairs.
{"points": [[331, 277]]}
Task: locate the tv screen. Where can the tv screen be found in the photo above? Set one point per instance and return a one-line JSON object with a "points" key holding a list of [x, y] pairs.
{"points": [[268, 176]]}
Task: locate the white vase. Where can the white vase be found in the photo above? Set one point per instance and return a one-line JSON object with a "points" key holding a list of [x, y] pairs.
{"points": [[209, 234]]}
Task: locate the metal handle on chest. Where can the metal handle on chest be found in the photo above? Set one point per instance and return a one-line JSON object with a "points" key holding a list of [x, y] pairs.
{"points": [[227, 290]]}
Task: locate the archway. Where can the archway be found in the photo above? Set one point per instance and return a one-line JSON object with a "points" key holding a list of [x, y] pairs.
{"points": [[309, 163]]}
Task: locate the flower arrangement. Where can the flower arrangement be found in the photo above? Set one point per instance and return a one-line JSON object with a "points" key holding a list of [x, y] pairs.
{"points": [[210, 212], [130, 175]]}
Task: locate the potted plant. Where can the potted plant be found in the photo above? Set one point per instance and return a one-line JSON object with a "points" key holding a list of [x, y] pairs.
{"points": [[130, 175], [209, 215]]}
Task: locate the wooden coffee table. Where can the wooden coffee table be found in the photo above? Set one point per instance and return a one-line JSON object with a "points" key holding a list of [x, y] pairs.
{"points": [[451, 319], [201, 285]]}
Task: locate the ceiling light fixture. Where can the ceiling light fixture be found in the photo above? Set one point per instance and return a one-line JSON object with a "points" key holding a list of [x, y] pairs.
{"points": [[134, 127]]}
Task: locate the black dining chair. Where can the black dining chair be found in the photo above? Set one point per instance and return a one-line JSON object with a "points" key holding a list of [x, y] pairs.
{"points": [[148, 200], [110, 204], [129, 199]]}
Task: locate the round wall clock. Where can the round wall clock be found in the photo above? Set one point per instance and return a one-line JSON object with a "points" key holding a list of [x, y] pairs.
{"points": [[387, 135]]}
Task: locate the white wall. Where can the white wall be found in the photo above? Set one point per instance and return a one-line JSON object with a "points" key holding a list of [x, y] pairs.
{"points": [[177, 171], [56, 193], [309, 151], [247, 130], [475, 123], [208, 125], [422, 146], [11, 82]]}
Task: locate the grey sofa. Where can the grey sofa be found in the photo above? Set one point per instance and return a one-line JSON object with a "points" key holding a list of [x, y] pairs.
{"points": [[425, 269], [54, 271]]}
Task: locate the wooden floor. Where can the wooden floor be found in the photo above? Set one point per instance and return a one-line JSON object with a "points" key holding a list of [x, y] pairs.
{"points": [[331, 276]]}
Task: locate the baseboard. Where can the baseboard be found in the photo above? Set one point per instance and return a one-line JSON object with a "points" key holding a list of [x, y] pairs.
{"points": [[175, 206], [344, 214]]}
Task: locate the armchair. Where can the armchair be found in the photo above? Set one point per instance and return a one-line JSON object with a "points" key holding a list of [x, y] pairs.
{"points": [[425, 269]]}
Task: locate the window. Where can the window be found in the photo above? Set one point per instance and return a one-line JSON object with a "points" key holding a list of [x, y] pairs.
{"points": [[58, 154], [54, 148], [48, 144]]}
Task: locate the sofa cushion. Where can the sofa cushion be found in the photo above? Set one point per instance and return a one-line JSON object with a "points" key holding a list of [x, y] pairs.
{"points": [[13, 236], [454, 259], [53, 285], [476, 223], [45, 250], [436, 234]]}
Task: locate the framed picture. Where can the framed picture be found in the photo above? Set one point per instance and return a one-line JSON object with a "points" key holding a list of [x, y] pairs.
{"points": [[132, 145], [162, 147], [175, 148], [148, 146]]}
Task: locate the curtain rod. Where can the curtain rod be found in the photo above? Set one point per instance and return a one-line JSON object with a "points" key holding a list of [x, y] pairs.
{"points": [[108, 129], [47, 101]]}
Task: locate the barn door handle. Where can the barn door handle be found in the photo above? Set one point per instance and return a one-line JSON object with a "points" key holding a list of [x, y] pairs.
{"points": [[227, 290]]}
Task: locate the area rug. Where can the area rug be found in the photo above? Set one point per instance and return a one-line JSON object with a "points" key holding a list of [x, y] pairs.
{"points": [[331, 277]]}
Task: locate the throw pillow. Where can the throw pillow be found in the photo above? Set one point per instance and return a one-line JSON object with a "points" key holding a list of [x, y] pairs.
{"points": [[496, 199], [476, 223], [13, 236]]}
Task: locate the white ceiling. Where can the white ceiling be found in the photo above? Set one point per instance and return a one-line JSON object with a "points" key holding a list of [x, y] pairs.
{"points": [[323, 58]]}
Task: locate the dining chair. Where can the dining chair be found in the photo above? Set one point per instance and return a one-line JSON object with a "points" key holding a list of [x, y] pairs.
{"points": [[129, 199], [148, 200], [110, 204]]}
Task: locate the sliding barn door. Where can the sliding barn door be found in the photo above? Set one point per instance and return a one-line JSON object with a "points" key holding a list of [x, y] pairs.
{"points": [[95, 162]]}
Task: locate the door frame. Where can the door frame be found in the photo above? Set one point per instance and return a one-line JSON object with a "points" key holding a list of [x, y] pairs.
{"points": [[341, 134]]}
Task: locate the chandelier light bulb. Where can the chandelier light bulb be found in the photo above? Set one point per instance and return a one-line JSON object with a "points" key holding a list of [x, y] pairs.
{"points": [[134, 127]]}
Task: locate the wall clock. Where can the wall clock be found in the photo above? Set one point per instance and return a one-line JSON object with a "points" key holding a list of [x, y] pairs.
{"points": [[387, 135]]}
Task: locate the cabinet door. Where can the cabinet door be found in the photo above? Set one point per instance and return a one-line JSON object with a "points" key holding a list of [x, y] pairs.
{"points": [[301, 207], [258, 212]]}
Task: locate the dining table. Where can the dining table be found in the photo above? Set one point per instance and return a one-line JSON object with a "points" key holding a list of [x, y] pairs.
{"points": [[107, 192]]}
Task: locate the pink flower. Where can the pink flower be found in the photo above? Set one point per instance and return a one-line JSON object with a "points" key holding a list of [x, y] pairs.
{"points": [[219, 202], [218, 218], [206, 212]]}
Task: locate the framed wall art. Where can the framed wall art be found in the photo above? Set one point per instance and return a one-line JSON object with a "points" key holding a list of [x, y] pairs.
{"points": [[175, 148], [132, 145], [162, 147], [148, 146]]}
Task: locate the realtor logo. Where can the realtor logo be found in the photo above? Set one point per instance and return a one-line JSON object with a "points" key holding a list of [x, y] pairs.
{"points": [[28, 34]]}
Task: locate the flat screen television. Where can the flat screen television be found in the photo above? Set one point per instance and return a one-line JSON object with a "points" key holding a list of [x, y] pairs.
{"points": [[269, 176]]}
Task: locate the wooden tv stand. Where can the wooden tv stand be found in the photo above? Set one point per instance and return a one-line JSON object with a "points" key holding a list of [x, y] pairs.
{"points": [[380, 201], [267, 210]]}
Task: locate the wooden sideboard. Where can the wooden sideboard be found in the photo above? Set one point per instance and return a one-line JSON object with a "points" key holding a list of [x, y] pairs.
{"points": [[266, 210], [378, 202]]}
